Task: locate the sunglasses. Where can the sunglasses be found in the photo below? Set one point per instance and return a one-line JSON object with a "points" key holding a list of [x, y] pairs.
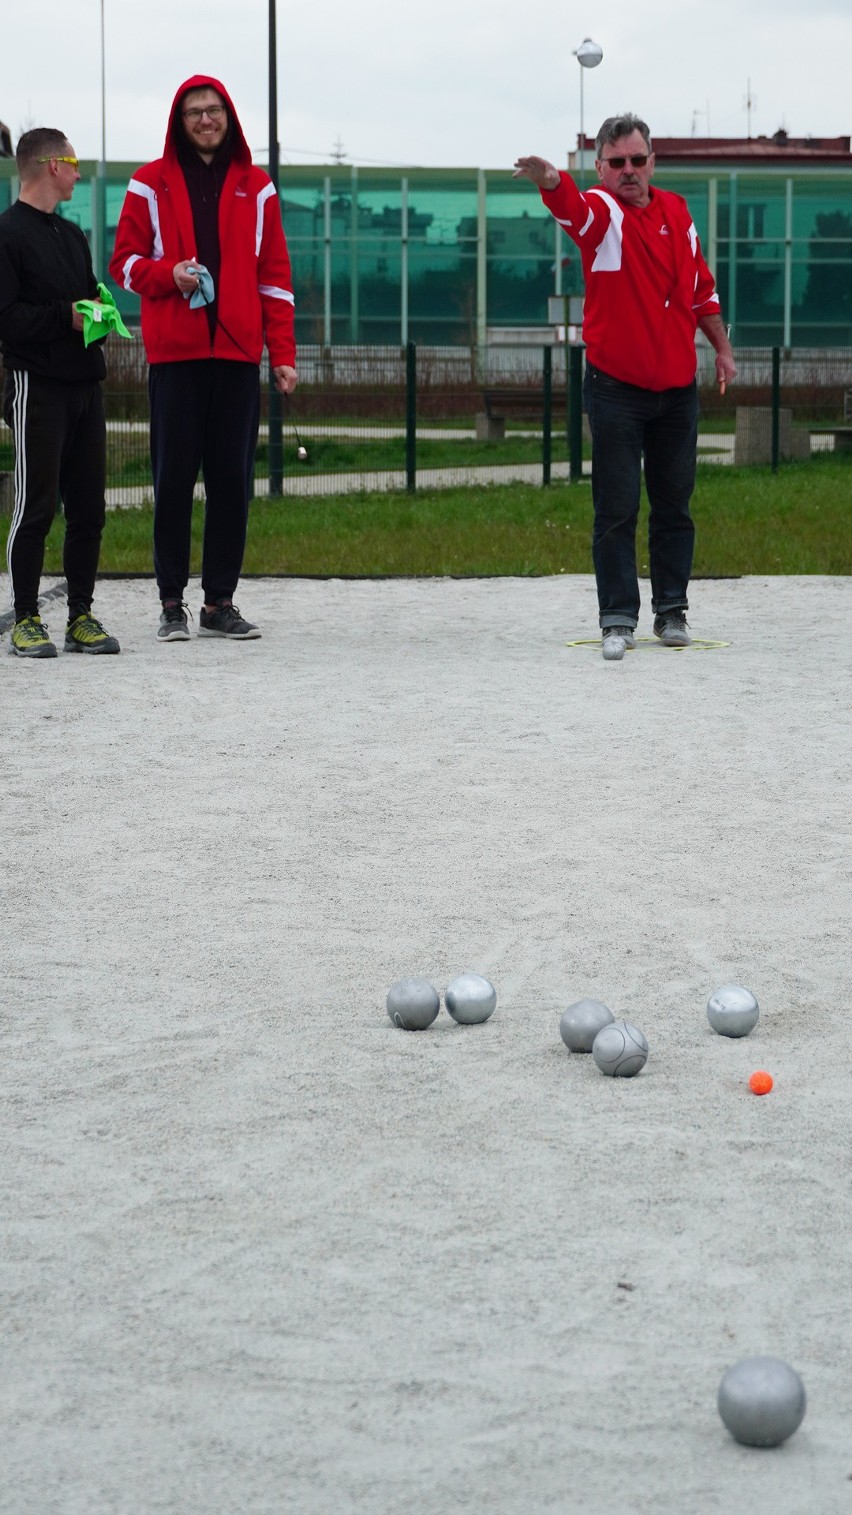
{"points": [[215, 112], [638, 160], [57, 158]]}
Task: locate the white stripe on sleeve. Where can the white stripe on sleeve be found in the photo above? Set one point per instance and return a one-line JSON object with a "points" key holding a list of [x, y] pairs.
{"points": [[275, 292], [262, 198], [136, 187]]}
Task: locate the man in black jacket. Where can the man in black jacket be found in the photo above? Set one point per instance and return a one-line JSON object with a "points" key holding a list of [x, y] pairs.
{"points": [[52, 397]]}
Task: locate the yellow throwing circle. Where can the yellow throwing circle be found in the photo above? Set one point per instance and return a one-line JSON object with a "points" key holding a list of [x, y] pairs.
{"points": [[701, 644]]}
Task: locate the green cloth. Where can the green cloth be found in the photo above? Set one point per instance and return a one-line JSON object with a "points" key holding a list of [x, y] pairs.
{"points": [[100, 319]]}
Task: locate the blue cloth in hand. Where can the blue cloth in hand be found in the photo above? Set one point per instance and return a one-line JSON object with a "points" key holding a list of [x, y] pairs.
{"points": [[205, 293]]}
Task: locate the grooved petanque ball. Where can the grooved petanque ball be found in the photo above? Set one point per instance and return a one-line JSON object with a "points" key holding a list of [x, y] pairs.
{"points": [[620, 1050]]}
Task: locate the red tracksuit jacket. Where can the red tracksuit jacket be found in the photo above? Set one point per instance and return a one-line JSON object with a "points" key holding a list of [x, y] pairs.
{"points": [[155, 231], [646, 282]]}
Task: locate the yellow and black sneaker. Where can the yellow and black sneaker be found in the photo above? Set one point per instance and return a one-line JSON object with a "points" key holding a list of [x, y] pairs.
{"points": [[29, 639], [85, 634]]}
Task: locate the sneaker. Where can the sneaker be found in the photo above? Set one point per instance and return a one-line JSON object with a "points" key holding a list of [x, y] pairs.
{"points": [[615, 641], [670, 627], [29, 639], [173, 625], [85, 634], [226, 621]]}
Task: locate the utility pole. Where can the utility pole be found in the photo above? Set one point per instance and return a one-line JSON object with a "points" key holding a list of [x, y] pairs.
{"points": [[274, 444]]}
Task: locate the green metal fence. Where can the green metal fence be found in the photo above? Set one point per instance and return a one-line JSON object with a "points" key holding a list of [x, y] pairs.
{"points": [[419, 416]]}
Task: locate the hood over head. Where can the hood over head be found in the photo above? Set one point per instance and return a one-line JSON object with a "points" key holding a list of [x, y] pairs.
{"points": [[235, 145]]}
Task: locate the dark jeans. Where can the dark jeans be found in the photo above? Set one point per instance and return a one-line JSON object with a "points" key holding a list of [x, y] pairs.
{"points": [[204, 414], [60, 453], [627, 424]]}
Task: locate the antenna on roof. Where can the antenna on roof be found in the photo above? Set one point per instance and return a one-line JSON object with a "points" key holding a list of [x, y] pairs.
{"points": [[748, 105], [706, 114]]}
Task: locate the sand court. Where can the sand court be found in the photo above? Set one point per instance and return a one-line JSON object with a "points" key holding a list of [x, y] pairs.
{"points": [[263, 1251]]}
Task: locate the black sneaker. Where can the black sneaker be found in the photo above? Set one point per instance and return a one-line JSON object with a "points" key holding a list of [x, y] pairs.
{"points": [[671, 628], [173, 624], [226, 621]]}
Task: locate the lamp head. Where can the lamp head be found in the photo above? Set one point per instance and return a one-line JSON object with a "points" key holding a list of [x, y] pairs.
{"points": [[589, 53]]}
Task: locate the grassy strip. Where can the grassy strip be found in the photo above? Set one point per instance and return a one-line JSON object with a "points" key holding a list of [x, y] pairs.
{"points": [[749, 521]]}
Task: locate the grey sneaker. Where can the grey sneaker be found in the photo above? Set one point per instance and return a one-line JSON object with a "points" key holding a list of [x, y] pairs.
{"points": [[670, 627], [615, 641], [226, 621], [173, 625]]}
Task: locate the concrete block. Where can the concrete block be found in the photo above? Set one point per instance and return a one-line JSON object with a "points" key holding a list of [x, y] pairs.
{"points": [[753, 438], [490, 428]]}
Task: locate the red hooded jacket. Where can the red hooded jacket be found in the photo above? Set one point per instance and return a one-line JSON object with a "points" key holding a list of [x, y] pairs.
{"points": [[254, 298]]}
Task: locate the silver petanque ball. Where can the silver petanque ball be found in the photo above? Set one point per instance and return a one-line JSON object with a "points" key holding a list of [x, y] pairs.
{"points": [[470, 999], [580, 1023], [413, 1003], [761, 1401], [732, 1010], [620, 1050]]}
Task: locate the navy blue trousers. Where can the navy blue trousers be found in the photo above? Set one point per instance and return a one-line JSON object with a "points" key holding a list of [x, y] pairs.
{"points": [[204, 416], [629, 425]]}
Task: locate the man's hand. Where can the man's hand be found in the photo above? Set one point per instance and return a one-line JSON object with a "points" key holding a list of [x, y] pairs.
{"points": [[286, 379], [716, 333], [186, 281], [539, 170], [77, 315], [726, 370]]}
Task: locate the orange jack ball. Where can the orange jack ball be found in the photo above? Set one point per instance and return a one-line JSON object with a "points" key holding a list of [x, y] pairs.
{"points": [[760, 1083]]}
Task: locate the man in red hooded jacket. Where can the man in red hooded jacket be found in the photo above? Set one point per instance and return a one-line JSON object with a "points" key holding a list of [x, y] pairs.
{"points": [[200, 241]]}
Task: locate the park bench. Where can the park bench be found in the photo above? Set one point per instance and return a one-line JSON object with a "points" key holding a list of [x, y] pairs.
{"points": [[518, 401]]}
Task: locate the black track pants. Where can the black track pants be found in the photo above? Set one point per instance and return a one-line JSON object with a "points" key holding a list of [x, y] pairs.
{"points": [[204, 414], [60, 454]]}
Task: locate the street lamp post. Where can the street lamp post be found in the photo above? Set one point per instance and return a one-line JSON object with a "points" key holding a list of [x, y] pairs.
{"points": [[275, 448], [99, 207], [103, 91], [588, 55]]}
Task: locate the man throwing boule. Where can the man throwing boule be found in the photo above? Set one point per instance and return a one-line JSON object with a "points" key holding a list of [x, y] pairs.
{"points": [[647, 289]]}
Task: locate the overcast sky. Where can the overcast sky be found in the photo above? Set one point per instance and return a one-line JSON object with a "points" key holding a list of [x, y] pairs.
{"points": [[472, 83]]}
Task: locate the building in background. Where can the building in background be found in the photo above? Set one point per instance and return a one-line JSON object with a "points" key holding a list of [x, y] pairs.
{"points": [[444, 257]]}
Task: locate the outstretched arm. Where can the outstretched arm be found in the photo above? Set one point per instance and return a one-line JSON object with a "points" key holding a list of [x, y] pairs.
{"points": [[538, 170]]}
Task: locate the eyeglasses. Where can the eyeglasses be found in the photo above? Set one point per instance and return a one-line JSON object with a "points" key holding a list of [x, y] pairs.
{"points": [[56, 158], [215, 112], [638, 160]]}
